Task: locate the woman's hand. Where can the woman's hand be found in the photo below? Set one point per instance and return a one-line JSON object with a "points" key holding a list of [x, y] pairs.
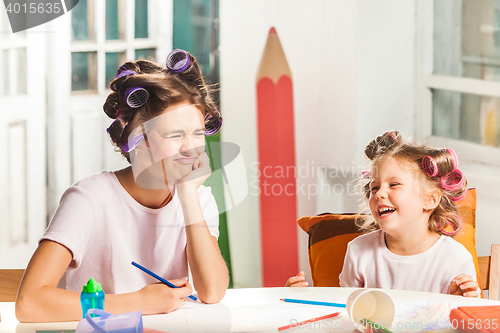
{"points": [[297, 281], [195, 178], [159, 298], [463, 285]]}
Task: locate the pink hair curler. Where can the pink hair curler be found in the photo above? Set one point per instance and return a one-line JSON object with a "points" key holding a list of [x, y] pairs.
{"points": [[453, 180], [430, 166], [365, 174], [455, 199], [454, 158], [450, 233], [446, 232]]}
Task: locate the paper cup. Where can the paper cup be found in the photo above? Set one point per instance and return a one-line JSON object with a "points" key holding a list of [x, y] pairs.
{"points": [[372, 304]]}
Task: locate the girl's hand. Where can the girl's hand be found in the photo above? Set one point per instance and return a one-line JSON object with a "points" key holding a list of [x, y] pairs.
{"points": [[195, 178], [297, 281], [463, 285], [159, 298]]}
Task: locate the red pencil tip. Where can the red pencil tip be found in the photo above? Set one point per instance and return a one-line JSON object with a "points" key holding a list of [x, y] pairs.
{"points": [[272, 31], [282, 299]]}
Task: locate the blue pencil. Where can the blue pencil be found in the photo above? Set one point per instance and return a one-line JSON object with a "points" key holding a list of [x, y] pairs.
{"points": [[145, 270], [291, 300]]}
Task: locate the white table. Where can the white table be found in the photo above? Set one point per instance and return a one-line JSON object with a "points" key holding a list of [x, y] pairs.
{"points": [[253, 310]]}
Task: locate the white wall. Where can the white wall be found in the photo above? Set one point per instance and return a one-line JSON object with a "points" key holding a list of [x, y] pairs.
{"points": [[352, 64]]}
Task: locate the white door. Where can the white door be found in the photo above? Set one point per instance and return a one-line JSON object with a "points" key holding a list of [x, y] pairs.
{"points": [[23, 213]]}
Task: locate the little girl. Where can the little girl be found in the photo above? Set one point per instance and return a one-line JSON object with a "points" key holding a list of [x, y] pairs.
{"points": [[155, 212], [411, 190]]}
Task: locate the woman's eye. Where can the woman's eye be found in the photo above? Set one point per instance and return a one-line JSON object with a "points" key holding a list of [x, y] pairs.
{"points": [[174, 137]]}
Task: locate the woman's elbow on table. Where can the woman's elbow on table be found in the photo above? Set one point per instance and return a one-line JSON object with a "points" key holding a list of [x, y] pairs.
{"points": [[214, 293], [25, 308], [212, 297]]}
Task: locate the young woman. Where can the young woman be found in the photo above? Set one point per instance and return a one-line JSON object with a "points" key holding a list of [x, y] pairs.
{"points": [[155, 212]]}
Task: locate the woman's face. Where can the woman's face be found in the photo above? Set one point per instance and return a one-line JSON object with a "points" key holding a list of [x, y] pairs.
{"points": [[171, 143]]}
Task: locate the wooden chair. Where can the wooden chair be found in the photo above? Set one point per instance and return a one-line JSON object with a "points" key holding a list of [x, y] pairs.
{"points": [[490, 272], [9, 284]]}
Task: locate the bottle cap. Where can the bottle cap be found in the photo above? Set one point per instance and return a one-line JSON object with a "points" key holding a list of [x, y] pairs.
{"points": [[92, 286]]}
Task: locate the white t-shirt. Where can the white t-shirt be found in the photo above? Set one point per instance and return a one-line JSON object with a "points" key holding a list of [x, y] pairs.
{"points": [[106, 229], [369, 263]]}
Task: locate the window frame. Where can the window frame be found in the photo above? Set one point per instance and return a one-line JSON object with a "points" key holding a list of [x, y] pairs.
{"points": [[426, 81], [128, 45]]}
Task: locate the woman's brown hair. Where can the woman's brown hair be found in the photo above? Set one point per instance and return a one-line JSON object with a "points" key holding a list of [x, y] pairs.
{"points": [[165, 88]]}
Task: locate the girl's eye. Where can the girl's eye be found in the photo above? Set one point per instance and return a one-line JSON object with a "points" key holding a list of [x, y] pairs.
{"points": [[394, 184], [374, 189]]}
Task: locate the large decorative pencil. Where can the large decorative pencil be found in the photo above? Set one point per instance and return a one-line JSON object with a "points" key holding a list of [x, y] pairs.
{"points": [[276, 146]]}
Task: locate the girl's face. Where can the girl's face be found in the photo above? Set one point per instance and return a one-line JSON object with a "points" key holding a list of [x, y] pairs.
{"points": [[396, 198], [174, 141]]}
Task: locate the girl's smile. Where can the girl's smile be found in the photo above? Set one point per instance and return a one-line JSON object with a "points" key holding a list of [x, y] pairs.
{"points": [[384, 211]]}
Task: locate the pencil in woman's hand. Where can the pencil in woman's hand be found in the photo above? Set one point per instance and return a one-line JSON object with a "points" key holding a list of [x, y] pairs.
{"points": [[147, 271]]}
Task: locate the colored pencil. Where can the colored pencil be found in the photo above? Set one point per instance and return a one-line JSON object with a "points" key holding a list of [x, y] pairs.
{"points": [[276, 152], [147, 271], [291, 300], [308, 321]]}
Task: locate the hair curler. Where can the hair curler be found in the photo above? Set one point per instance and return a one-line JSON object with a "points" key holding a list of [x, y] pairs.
{"points": [[178, 61], [460, 197], [430, 166], [453, 181], [125, 73], [365, 174], [450, 233], [212, 125], [118, 71], [454, 158], [136, 97], [132, 143]]}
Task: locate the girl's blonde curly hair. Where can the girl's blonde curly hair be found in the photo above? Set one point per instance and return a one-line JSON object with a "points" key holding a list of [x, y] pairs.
{"points": [[436, 169]]}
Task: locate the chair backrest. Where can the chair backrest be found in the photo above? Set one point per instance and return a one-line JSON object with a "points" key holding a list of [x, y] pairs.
{"points": [[329, 235], [490, 271], [9, 284]]}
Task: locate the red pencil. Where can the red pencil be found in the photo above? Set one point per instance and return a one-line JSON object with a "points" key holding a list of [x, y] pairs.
{"points": [[309, 321], [276, 151]]}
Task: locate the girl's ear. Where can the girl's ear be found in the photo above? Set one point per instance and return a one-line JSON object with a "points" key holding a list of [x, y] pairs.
{"points": [[433, 200]]}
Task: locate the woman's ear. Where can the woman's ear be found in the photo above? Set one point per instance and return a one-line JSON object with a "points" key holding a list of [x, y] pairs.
{"points": [[433, 199]]}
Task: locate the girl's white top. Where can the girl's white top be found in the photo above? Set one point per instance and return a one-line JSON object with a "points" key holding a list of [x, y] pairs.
{"points": [[106, 229], [369, 263]]}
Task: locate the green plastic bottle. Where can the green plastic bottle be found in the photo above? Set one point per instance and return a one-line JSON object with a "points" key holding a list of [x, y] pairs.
{"points": [[92, 297]]}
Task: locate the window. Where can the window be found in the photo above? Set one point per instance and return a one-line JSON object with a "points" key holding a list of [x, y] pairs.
{"points": [[465, 80], [101, 43], [13, 76]]}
